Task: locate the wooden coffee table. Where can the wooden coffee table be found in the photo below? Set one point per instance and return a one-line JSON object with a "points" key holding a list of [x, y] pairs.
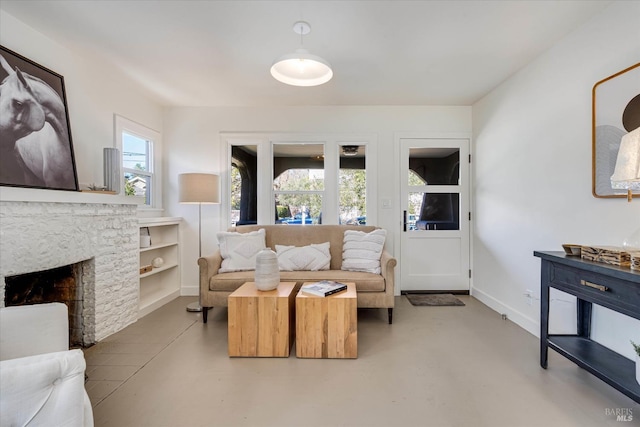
{"points": [[327, 327], [261, 323]]}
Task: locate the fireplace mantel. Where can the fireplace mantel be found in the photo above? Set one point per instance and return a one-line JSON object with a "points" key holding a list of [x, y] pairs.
{"points": [[18, 194]]}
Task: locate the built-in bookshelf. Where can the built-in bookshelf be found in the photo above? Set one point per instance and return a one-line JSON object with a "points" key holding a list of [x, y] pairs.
{"points": [[162, 283]]}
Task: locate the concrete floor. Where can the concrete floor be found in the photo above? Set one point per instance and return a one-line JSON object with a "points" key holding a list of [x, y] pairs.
{"points": [[435, 366]]}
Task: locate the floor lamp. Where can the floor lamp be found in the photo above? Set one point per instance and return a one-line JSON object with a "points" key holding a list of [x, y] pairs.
{"points": [[200, 188]]}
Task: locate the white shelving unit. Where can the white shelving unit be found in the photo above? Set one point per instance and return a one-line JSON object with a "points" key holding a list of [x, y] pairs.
{"points": [[161, 284]]}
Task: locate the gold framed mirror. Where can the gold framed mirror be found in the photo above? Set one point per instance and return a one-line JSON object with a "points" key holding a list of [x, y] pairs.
{"points": [[615, 113]]}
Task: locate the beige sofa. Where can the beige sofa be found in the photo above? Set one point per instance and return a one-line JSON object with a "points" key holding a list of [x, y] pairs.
{"points": [[374, 290]]}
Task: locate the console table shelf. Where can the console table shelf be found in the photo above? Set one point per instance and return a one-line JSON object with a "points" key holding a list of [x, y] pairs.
{"points": [[615, 288], [609, 366]]}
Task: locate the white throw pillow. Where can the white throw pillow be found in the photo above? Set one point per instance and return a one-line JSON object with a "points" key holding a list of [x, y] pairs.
{"points": [[239, 250], [311, 258], [362, 251]]}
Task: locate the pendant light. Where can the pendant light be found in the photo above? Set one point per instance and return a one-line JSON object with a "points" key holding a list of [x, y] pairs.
{"points": [[301, 68]]}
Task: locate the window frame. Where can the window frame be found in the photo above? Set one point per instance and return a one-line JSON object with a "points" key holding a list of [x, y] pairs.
{"points": [[154, 140], [330, 196]]}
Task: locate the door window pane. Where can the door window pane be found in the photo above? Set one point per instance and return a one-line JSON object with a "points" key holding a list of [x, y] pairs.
{"points": [[433, 211], [435, 166]]}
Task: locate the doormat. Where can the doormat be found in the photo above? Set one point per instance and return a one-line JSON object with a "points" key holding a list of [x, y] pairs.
{"points": [[433, 299]]}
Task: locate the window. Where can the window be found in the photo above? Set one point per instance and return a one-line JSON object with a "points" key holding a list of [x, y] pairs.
{"points": [[244, 195], [299, 179], [353, 185], [137, 144], [137, 166], [298, 183]]}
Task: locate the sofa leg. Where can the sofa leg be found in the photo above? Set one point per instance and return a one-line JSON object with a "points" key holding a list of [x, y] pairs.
{"points": [[390, 310], [205, 312]]}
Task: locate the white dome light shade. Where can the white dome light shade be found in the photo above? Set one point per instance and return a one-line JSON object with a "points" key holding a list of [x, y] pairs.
{"points": [[301, 69]]}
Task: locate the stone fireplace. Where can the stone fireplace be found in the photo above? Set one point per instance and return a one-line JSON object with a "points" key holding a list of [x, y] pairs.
{"points": [[93, 235]]}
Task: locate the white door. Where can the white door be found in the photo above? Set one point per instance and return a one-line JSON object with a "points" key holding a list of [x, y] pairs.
{"points": [[435, 208]]}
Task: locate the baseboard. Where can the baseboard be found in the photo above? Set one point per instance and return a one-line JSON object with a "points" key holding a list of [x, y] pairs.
{"points": [[435, 292], [189, 291], [528, 324]]}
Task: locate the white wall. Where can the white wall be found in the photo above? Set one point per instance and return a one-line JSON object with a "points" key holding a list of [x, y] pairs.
{"points": [[532, 143], [95, 91], [192, 144]]}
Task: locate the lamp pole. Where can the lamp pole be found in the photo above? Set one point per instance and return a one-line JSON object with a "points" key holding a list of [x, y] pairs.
{"points": [[198, 188]]}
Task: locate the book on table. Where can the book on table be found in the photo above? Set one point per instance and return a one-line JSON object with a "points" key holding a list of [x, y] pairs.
{"points": [[323, 288]]}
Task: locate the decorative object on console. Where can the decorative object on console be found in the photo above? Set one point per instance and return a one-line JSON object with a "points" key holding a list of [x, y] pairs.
{"points": [[267, 274], [632, 243], [615, 117], [635, 260], [111, 168], [38, 153], [611, 255], [198, 188], [301, 68], [572, 250], [157, 262]]}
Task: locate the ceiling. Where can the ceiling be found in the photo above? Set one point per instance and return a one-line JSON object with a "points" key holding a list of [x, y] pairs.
{"points": [[218, 53]]}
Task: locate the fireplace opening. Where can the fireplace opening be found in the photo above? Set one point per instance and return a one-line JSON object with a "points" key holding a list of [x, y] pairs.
{"points": [[61, 284]]}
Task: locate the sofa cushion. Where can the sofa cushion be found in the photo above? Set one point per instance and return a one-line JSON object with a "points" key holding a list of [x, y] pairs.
{"points": [[362, 251], [313, 257], [239, 250]]}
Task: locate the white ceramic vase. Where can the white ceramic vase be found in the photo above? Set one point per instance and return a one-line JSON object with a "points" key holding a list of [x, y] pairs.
{"points": [[267, 275]]}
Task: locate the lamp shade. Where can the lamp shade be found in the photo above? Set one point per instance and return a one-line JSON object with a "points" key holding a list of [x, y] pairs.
{"points": [[198, 188], [301, 69]]}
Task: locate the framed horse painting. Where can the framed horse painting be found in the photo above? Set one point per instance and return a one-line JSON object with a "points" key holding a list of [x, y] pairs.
{"points": [[35, 135]]}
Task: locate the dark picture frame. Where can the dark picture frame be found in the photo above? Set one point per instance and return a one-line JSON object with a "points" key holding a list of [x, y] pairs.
{"points": [[611, 107], [36, 150]]}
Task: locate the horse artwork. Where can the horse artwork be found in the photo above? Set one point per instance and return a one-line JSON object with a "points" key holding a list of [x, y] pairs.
{"points": [[35, 138]]}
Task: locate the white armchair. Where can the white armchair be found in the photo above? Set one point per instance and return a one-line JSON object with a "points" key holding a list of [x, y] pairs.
{"points": [[41, 380]]}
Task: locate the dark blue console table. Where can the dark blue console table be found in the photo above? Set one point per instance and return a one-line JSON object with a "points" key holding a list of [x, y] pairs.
{"points": [[615, 288]]}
